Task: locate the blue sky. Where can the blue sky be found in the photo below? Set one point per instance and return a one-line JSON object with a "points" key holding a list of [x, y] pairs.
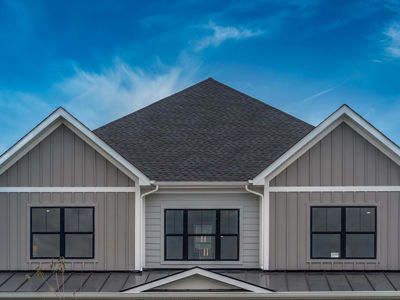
{"points": [[103, 59]]}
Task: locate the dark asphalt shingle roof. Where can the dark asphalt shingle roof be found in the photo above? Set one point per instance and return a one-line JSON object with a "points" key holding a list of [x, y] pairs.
{"points": [[207, 132], [278, 281]]}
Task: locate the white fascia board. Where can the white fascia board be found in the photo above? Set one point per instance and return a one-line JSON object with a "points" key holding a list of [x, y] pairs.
{"points": [[322, 130], [63, 115], [201, 272]]}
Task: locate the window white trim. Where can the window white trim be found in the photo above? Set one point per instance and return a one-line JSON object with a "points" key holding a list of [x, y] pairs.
{"points": [[48, 125], [343, 114], [68, 189], [291, 189], [197, 271]]}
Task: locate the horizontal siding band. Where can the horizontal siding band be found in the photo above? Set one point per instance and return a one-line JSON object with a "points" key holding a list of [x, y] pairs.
{"points": [[289, 189], [65, 189]]}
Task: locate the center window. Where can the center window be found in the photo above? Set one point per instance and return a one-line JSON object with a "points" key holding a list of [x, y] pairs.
{"points": [[201, 234]]}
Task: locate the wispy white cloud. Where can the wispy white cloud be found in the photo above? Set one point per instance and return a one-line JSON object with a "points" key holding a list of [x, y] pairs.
{"points": [[95, 98], [392, 41], [319, 94], [99, 97], [221, 34]]}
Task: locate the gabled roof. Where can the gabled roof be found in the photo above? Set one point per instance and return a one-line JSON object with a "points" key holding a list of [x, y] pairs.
{"points": [[207, 132], [48, 125], [193, 279], [343, 114]]}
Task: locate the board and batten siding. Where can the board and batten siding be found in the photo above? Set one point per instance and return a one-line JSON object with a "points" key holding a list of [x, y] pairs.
{"points": [[63, 159], [114, 215], [342, 158], [249, 227]]}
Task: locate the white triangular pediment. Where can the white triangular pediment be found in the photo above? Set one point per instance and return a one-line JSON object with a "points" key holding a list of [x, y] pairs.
{"points": [[197, 280]]}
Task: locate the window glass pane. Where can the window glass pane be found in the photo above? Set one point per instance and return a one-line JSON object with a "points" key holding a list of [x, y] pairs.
{"points": [[229, 220], [201, 221], [229, 247], [174, 222], [367, 219], [71, 219], [174, 247], [326, 219], [78, 245], [360, 245], [353, 219], [38, 220], [201, 247], [45, 219], [46, 245], [78, 219], [325, 245]]}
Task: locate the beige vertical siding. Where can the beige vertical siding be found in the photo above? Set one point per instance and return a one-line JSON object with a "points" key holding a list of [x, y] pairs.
{"points": [[249, 226], [63, 159], [343, 157], [114, 229], [290, 230]]}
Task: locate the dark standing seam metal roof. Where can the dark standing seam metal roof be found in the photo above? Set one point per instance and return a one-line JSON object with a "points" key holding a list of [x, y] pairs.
{"points": [[207, 132], [278, 281]]}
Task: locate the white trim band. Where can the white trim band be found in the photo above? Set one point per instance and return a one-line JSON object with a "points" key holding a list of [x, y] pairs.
{"points": [[290, 189], [68, 189]]}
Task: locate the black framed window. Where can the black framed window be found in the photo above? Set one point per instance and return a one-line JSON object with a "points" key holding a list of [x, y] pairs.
{"points": [[347, 232], [62, 232], [201, 234]]}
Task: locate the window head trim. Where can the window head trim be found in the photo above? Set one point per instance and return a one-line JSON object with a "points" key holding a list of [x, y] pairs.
{"points": [[343, 232], [62, 232]]}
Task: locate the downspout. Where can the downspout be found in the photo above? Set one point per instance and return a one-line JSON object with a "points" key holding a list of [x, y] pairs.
{"points": [[143, 226], [261, 234]]}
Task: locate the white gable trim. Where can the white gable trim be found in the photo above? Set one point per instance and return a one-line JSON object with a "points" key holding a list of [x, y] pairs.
{"points": [[197, 271], [343, 114], [48, 125]]}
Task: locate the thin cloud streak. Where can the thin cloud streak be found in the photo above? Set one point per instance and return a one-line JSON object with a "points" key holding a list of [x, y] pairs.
{"points": [[393, 40], [319, 94], [224, 33]]}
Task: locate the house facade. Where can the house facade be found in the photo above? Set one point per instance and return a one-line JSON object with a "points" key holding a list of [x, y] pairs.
{"points": [[205, 190]]}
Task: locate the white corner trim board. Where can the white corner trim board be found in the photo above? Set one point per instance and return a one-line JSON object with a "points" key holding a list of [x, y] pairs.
{"points": [[293, 189], [354, 120], [197, 271], [27, 142], [69, 189]]}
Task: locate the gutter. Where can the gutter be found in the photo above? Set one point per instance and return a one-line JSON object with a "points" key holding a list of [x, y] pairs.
{"points": [[204, 295], [261, 255], [143, 223]]}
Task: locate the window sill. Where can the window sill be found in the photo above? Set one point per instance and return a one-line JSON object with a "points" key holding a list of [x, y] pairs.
{"points": [[343, 260]]}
